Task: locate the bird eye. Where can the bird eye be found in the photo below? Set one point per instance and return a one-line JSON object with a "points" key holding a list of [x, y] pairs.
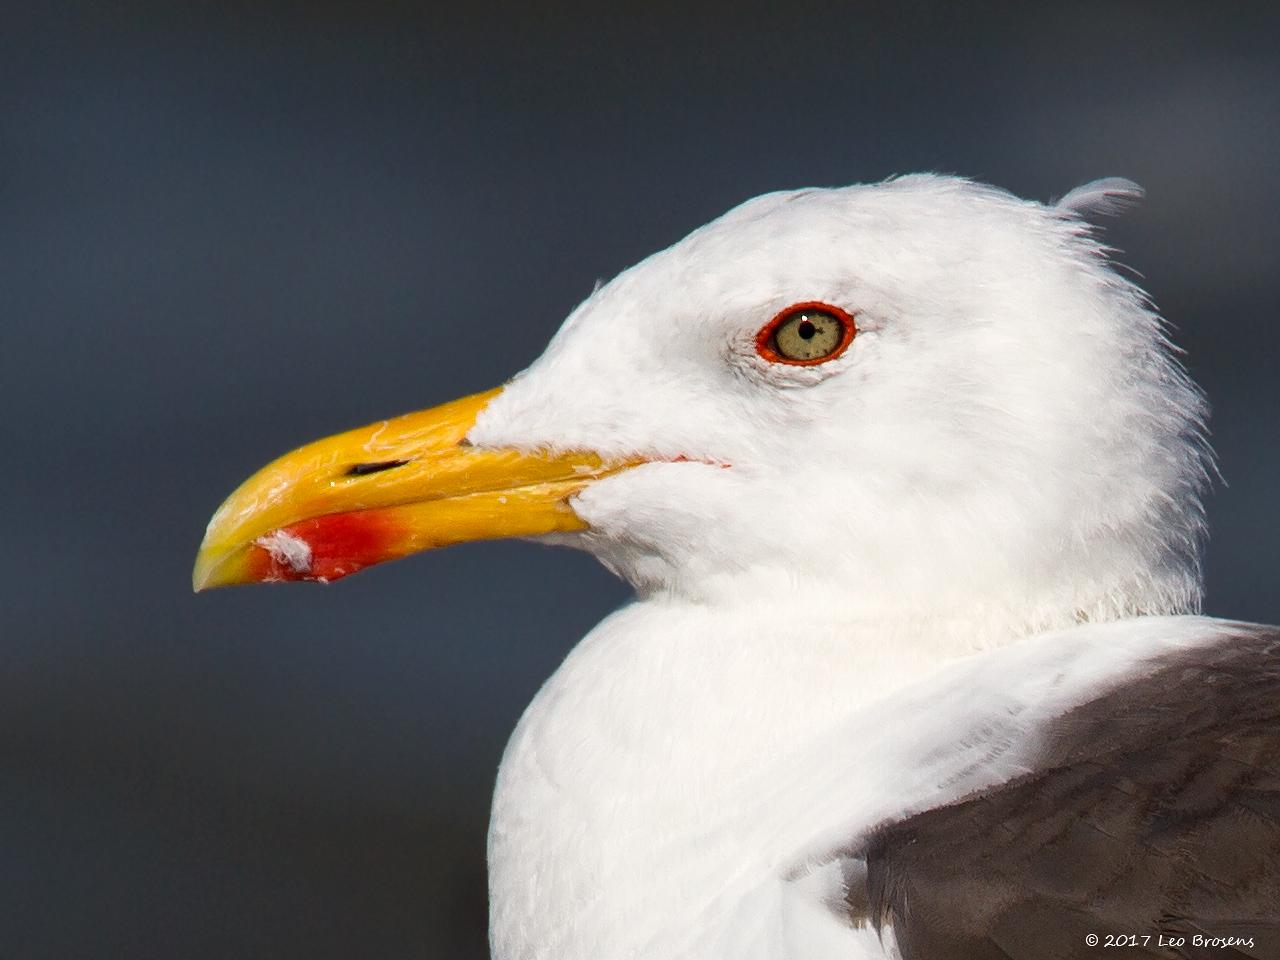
{"points": [[805, 334]]}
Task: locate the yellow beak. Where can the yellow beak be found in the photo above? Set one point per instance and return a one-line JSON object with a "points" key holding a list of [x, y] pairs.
{"points": [[385, 491]]}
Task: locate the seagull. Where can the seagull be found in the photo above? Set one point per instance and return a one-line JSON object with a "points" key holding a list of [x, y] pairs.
{"points": [[907, 480]]}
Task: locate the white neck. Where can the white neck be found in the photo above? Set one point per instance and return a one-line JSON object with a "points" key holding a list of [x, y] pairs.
{"points": [[637, 759]]}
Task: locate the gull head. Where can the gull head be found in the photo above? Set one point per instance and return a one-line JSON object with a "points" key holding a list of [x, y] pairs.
{"points": [[922, 395]]}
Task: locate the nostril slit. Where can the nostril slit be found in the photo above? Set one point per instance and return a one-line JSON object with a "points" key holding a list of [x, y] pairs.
{"points": [[360, 469]]}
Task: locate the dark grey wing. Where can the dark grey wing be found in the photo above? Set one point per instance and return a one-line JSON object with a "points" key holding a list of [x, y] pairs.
{"points": [[1154, 811]]}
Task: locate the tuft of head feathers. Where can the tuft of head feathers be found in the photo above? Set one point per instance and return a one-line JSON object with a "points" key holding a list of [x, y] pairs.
{"points": [[1108, 197], [1010, 438]]}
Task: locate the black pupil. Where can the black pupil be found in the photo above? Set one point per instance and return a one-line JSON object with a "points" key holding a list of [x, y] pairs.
{"points": [[806, 329]]}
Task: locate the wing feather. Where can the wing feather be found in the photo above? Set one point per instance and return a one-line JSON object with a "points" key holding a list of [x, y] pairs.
{"points": [[1152, 810]]}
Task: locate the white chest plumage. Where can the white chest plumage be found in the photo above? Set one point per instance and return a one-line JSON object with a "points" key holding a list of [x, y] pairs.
{"points": [[637, 784], [675, 791]]}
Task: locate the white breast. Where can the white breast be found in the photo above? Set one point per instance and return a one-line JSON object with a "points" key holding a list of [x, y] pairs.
{"points": [[635, 787], [659, 797]]}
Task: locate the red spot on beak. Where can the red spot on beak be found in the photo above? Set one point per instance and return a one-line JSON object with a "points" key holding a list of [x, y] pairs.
{"points": [[340, 544]]}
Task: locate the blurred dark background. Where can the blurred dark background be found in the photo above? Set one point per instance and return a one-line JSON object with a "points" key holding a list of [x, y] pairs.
{"points": [[228, 229]]}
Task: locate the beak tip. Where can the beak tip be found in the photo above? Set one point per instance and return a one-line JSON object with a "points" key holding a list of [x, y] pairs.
{"points": [[201, 576], [199, 580], [218, 568]]}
